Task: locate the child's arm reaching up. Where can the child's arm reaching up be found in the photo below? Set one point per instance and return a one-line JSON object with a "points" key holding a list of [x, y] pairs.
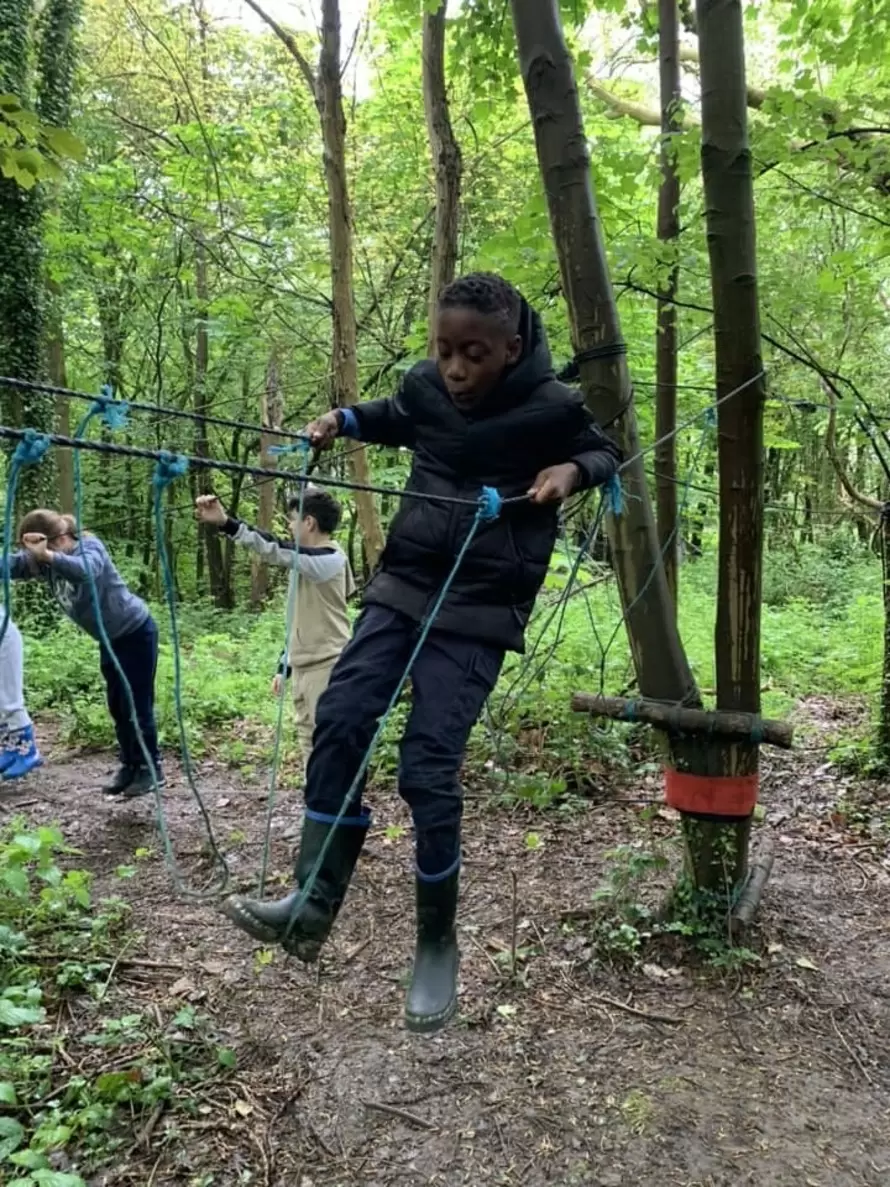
{"points": [[315, 564], [89, 559]]}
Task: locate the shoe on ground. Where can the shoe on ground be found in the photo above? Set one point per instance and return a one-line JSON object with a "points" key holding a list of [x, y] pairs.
{"points": [[142, 783], [121, 780], [19, 755]]}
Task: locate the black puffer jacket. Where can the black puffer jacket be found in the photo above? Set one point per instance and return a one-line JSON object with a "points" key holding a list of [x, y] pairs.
{"points": [[529, 423]]}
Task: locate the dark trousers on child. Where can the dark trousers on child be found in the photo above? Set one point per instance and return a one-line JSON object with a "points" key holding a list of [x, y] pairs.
{"points": [[137, 654], [450, 682]]}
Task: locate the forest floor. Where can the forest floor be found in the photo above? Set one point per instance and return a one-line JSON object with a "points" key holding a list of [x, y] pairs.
{"points": [[656, 1072]]}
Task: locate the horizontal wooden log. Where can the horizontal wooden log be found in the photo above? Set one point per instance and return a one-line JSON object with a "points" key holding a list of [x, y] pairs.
{"points": [[744, 727]]}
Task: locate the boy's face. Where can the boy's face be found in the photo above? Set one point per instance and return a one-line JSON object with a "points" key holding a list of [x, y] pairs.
{"points": [[472, 351], [303, 529]]}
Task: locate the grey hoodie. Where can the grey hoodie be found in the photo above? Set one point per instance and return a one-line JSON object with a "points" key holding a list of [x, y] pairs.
{"points": [[68, 579]]}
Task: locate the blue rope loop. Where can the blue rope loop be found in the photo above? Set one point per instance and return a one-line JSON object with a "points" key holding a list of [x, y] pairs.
{"points": [[711, 417], [113, 412], [614, 493], [31, 449], [757, 734], [170, 466]]}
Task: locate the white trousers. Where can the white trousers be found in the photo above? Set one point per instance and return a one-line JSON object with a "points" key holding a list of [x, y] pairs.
{"points": [[13, 714]]}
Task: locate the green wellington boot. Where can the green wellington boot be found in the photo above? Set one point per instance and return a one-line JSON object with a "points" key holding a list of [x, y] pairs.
{"points": [[432, 997], [302, 929]]}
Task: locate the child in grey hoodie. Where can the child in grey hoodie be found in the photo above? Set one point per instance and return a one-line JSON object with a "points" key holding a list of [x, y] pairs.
{"points": [[51, 552]]}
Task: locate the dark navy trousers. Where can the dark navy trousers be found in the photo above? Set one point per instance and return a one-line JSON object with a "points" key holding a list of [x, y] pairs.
{"points": [[137, 654], [450, 683]]}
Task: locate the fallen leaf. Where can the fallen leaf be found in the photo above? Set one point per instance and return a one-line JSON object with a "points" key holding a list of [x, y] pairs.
{"points": [[242, 1108], [506, 1011], [804, 962], [182, 988]]}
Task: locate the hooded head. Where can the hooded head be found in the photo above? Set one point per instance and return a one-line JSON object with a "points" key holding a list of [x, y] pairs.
{"points": [[478, 336]]}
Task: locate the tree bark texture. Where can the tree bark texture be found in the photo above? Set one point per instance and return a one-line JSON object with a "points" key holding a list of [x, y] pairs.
{"points": [[447, 162], [58, 376], [668, 231], [271, 413], [329, 98], [662, 669], [729, 200]]}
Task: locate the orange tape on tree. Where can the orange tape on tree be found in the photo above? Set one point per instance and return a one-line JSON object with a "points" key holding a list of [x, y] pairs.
{"points": [[711, 795]]}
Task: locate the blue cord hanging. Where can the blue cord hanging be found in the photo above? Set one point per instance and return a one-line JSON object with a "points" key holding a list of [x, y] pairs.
{"points": [[614, 493]]}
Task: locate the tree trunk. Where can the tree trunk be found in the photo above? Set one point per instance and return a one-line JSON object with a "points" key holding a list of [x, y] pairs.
{"points": [[719, 849], [216, 571], [329, 99], [58, 376], [666, 317], [271, 412], [662, 669], [447, 162]]}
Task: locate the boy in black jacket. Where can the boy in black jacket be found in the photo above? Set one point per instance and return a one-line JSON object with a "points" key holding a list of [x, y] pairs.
{"points": [[487, 412]]}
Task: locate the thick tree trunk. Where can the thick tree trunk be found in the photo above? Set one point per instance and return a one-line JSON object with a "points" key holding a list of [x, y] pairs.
{"points": [[719, 850], [270, 415], [662, 669], [447, 161], [329, 99], [666, 317]]}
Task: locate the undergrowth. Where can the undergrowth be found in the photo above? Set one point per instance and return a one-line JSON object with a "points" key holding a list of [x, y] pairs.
{"points": [[81, 1065]]}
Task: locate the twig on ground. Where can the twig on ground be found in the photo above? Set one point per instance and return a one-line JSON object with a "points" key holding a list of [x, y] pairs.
{"points": [[402, 1114], [637, 1013], [851, 1052]]}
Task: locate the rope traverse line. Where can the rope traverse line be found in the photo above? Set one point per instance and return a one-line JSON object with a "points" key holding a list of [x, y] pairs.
{"points": [[160, 455], [48, 389]]}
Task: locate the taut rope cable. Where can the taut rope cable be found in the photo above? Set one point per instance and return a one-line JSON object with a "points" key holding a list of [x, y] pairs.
{"points": [[155, 455], [48, 389]]}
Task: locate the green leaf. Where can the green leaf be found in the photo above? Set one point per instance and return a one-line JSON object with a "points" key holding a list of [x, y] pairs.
{"points": [[12, 1134], [226, 1057], [7, 1093], [65, 143], [12, 1015]]}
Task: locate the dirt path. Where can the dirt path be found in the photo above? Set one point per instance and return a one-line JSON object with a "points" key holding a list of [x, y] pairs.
{"points": [[779, 1077]]}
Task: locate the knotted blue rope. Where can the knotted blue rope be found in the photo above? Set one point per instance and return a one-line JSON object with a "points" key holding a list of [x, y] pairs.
{"points": [[303, 448], [614, 493], [488, 509], [113, 412], [168, 468], [30, 450]]}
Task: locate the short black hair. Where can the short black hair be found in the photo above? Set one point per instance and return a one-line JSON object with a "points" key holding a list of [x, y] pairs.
{"points": [[487, 293], [323, 508]]}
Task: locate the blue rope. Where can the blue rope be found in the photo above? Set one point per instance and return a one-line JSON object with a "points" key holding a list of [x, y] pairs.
{"points": [[305, 449], [490, 503], [29, 452], [168, 468], [614, 495], [113, 412]]}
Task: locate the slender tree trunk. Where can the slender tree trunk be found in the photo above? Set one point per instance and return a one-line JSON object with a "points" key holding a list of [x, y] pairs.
{"points": [[58, 375], [662, 669], [329, 98], [219, 590], [270, 415], [447, 161], [719, 850], [666, 317]]}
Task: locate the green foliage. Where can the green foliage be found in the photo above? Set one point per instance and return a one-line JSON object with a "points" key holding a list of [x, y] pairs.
{"points": [[31, 151], [54, 940]]}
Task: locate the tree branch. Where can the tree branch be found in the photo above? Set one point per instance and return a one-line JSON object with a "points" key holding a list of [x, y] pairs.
{"points": [[831, 449], [290, 44]]}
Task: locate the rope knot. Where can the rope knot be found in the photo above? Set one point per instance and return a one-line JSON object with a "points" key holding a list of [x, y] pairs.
{"points": [[170, 466], [303, 447], [490, 503], [31, 448], [113, 412], [614, 495]]}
